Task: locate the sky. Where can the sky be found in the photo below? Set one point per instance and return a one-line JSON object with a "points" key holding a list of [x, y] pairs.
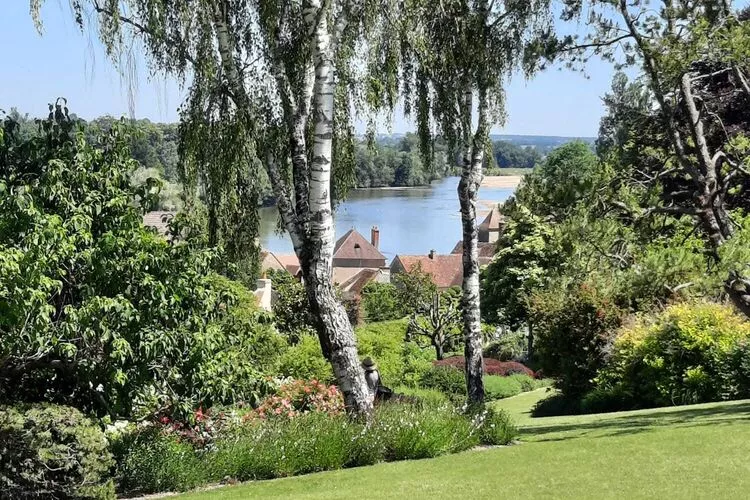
{"points": [[63, 62]]}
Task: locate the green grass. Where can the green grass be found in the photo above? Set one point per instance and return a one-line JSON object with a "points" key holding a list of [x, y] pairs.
{"points": [[695, 451]]}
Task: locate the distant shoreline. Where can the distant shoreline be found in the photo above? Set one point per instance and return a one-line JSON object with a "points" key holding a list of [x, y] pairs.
{"points": [[490, 181], [502, 181]]}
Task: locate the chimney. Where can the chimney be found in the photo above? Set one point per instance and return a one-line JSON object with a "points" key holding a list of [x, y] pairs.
{"points": [[375, 237], [432, 254]]}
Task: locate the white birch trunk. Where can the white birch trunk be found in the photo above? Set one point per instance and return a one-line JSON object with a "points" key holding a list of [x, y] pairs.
{"points": [[334, 329], [468, 187], [307, 212]]}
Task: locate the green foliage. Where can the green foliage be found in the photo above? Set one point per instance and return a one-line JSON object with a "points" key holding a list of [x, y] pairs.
{"points": [[574, 330], [523, 264], [381, 302], [510, 346], [310, 442], [424, 396], [305, 360], [445, 379], [497, 387], [151, 461], [97, 311], [509, 155], [412, 432], [399, 362], [398, 164], [51, 451], [679, 357], [565, 177], [291, 311], [497, 427]]}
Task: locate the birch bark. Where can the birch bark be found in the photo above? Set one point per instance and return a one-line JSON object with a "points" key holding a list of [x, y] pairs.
{"points": [[468, 187]]}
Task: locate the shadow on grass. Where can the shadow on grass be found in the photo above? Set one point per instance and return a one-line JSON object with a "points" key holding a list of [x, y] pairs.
{"points": [[620, 425]]}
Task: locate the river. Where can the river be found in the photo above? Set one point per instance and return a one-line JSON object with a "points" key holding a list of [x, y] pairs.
{"points": [[411, 220]]}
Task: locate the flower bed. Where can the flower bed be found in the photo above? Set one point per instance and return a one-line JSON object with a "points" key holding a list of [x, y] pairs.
{"points": [[310, 433]]}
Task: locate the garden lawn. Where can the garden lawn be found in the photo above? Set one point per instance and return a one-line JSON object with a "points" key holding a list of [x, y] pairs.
{"points": [[695, 451]]}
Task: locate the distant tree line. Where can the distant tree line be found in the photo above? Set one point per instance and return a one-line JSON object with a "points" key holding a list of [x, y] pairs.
{"points": [[392, 161]]}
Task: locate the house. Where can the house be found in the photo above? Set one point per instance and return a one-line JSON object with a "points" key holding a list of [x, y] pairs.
{"points": [[353, 250], [484, 248], [492, 226], [446, 270], [356, 262]]}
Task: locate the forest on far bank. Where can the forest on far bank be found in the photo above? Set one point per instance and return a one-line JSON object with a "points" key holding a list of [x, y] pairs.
{"points": [[389, 161]]}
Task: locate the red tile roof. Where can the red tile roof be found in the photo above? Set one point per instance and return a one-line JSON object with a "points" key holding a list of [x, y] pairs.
{"points": [[486, 248], [289, 261], [354, 246], [446, 270]]}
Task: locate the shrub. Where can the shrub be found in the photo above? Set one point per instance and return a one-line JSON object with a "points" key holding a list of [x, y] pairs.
{"points": [[510, 347], [574, 330], [399, 362], [49, 451], [735, 372], [381, 302], [446, 379], [606, 399], [277, 447], [424, 396], [299, 397], [411, 432], [291, 309], [491, 366], [305, 361], [689, 353], [280, 447], [496, 427], [151, 460], [556, 404]]}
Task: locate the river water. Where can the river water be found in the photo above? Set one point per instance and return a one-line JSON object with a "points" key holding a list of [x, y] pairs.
{"points": [[411, 220]]}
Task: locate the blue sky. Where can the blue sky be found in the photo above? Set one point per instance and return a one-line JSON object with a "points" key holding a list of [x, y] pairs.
{"points": [[65, 62]]}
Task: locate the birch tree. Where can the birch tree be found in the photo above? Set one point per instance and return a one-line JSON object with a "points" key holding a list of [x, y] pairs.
{"points": [[276, 78], [693, 55], [457, 55]]}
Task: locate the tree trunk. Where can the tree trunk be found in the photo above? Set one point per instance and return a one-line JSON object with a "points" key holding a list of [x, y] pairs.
{"points": [[336, 336], [530, 340], [334, 329], [468, 187], [439, 353]]}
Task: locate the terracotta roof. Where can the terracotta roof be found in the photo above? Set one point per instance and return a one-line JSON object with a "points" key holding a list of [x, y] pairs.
{"points": [[356, 283], [289, 261], [355, 246], [446, 270], [159, 220], [486, 248], [268, 260], [342, 275], [494, 220]]}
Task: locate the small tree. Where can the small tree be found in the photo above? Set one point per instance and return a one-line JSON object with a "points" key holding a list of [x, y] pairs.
{"points": [[434, 316], [437, 322]]}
